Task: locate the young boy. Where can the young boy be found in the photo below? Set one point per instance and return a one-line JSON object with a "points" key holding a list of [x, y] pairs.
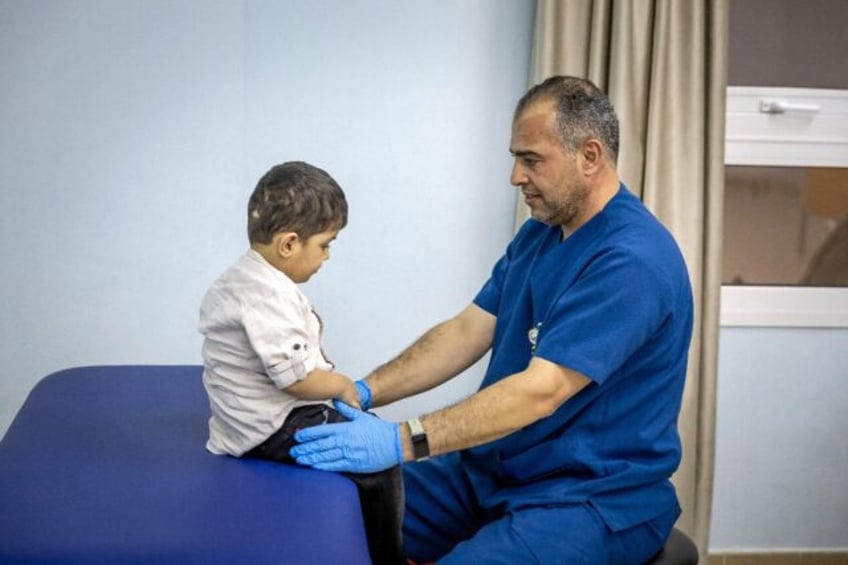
{"points": [[264, 370]]}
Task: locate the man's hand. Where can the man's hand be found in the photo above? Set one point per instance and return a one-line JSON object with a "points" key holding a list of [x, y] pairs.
{"points": [[366, 444]]}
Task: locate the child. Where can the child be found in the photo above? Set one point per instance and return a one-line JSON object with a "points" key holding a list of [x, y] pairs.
{"points": [[264, 370]]}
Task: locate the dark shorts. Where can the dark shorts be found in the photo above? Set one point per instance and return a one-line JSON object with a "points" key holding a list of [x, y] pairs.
{"points": [[380, 494]]}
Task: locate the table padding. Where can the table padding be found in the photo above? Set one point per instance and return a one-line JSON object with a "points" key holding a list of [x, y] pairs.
{"points": [[107, 464]]}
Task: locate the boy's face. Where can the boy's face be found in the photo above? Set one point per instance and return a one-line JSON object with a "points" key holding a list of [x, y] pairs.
{"points": [[307, 256]]}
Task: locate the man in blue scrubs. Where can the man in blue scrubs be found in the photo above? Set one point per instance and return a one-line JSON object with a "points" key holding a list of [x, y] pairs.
{"points": [[564, 454]]}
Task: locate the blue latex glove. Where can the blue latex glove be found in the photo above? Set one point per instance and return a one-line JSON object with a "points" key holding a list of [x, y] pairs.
{"points": [[364, 394], [366, 444]]}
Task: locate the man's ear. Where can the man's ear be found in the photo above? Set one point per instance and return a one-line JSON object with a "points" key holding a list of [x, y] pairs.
{"points": [[286, 243], [591, 156]]}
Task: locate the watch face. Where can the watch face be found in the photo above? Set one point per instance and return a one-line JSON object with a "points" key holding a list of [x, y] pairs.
{"points": [[420, 448]]}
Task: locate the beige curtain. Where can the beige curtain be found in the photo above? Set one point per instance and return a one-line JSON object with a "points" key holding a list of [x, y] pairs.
{"points": [[664, 65]]}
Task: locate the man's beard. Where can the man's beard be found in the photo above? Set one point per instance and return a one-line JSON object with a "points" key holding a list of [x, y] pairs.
{"points": [[564, 210]]}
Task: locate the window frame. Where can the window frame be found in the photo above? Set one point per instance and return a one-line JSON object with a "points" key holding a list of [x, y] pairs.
{"points": [[789, 127]]}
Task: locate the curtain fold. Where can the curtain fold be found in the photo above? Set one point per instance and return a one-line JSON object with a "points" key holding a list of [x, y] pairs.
{"points": [[664, 65]]}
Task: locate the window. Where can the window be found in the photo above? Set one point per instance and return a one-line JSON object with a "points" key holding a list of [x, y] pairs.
{"points": [[786, 207]]}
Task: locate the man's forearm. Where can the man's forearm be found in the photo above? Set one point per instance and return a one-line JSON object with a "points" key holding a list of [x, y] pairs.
{"points": [[439, 355], [501, 409], [415, 370]]}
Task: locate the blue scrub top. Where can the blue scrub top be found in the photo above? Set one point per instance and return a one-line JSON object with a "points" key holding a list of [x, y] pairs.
{"points": [[612, 301]]}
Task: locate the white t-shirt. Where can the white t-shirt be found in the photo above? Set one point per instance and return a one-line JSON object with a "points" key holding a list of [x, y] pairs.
{"points": [[260, 336]]}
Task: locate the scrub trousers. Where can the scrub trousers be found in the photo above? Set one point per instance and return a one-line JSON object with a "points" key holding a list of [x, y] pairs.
{"points": [[444, 522], [380, 494]]}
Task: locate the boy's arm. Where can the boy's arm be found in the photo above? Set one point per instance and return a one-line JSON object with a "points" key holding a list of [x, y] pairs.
{"points": [[324, 385]]}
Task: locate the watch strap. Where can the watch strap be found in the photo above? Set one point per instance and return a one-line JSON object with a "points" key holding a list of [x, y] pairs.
{"points": [[420, 445]]}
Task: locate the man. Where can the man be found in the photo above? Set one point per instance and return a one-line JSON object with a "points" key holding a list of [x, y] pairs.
{"points": [[564, 454]]}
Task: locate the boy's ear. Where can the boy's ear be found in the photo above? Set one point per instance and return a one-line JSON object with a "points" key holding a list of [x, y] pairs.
{"points": [[286, 243]]}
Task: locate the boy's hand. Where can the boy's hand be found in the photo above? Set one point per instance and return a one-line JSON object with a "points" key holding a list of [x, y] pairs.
{"points": [[350, 395]]}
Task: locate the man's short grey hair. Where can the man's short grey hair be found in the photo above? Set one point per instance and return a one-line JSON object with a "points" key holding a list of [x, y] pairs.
{"points": [[583, 112]]}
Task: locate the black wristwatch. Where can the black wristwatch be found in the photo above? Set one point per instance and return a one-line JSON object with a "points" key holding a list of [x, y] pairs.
{"points": [[420, 446]]}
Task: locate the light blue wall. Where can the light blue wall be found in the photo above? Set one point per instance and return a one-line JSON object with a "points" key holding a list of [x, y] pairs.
{"points": [[133, 132], [121, 166], [781, 475]]}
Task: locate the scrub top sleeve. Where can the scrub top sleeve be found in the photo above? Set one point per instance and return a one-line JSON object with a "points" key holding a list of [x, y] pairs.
{"points": [[276, 329], [489, 297], [597, 323]]}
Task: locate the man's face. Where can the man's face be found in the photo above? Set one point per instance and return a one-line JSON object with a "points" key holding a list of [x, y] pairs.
{"points": [[544, 170]]}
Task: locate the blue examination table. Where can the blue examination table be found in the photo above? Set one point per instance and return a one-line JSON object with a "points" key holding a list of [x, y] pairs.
{"points": [[107, 465]]}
